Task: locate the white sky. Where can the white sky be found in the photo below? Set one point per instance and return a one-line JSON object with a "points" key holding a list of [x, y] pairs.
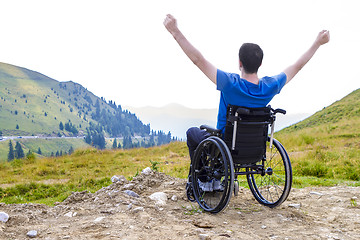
{"points": [[120, 50]]}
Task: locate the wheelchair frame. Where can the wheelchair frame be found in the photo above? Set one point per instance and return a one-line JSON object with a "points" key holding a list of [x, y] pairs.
{"points": [[247, 150]]}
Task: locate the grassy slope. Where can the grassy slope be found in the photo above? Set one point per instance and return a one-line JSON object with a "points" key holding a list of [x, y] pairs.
{"points": [[47, 146], [92, 164], [87, 169], [327, 144], [32, 95], [37, 104]]}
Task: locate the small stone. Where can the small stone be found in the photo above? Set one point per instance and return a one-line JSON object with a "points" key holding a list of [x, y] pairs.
{"points": [[129, 207], [354, 198], [4, 217], [69, 214], [99, 219], [295, 205], [263, 227], [32, 233], [115, 179], [174, 198], [129, 186], [131, 193], [204, 237], [160, 198], [316, 193], [146, 171], [138, 209]]}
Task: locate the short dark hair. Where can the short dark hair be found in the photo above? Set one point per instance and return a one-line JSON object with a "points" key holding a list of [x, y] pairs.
{"points": [[251, 56]]}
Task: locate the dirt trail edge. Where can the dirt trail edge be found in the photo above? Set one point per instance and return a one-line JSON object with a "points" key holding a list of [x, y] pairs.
{"points": [[124, 210]]}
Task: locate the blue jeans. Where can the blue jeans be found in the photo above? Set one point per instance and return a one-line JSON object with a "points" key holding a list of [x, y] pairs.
{"points": [[194, 137]]}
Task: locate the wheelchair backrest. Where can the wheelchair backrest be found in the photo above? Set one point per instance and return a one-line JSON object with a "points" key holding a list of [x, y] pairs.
{"points": [[246, 133]]}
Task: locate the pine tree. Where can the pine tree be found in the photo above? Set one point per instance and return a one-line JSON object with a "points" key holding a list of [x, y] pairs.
{"points": [[61, 126], [71, 150], [19, 153], [114, 144], [39, 151], [30, 155], [88, 138], [11, 155]]}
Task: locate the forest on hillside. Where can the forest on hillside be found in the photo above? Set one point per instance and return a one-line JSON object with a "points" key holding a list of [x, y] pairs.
{"points": [[32, 104]]}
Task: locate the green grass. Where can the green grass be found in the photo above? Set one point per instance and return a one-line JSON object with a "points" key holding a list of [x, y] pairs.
{"points": [[49, 180], [47, 146], [329, 151], [86, 169]]}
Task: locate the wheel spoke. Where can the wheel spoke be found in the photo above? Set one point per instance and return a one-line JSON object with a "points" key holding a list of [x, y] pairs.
{"points": [[272, 188]]}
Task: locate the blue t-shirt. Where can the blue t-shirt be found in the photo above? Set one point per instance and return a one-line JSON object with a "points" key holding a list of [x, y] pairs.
{"points": [[238, 91]]}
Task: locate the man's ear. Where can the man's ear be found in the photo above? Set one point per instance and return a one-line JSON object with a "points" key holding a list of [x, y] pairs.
{"points": [[240, 65]]}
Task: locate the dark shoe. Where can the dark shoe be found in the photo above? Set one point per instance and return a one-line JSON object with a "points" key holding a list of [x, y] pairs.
{"points": [[189, 192]]}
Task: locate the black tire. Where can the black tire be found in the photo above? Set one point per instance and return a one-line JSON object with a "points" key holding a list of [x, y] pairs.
{"points": [[212, 162], [273, 186]]}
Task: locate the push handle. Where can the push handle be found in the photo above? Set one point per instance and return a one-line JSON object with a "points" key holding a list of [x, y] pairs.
{"points": [[278, 110]]}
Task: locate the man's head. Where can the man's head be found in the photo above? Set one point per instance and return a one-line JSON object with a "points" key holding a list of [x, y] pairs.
{"points": [[250, 55]]}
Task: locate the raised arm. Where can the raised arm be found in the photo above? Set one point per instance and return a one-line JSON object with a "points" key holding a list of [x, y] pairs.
{"points": [[322, 38], [195, 56]]}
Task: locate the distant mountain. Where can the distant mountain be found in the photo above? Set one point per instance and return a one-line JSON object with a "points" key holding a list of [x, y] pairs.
{"points": [[177, 118], [34, 104]]}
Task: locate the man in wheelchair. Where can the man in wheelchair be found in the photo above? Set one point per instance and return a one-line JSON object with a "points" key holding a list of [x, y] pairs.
{"points": [[246, 89]]}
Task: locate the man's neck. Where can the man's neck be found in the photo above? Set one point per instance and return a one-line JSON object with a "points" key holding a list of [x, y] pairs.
{"points": [[252, 77]]}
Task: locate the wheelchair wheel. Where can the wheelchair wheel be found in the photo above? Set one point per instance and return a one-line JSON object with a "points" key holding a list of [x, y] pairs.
{"points": [[212, 175], [272, 187]]}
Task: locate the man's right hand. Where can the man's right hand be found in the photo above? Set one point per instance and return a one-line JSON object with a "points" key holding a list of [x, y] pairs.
{"points": [[322, 38]]}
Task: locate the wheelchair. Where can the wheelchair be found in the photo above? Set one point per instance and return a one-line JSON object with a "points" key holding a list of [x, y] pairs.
{"points": [[245, 149]]}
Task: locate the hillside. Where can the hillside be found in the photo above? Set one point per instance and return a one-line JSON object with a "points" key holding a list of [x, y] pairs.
{"points": [[327, 144], [34, 104], [340, 112]]}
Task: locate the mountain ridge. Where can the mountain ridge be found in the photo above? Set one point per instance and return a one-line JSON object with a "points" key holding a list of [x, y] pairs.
{"points": [[33, 103]]}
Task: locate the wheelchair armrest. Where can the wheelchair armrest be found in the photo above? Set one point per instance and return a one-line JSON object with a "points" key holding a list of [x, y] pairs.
{"points": [[211, 130], [243, 111]]}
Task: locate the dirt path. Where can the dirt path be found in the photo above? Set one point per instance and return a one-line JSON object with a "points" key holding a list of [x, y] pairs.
{"points": [[309, 213]]}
